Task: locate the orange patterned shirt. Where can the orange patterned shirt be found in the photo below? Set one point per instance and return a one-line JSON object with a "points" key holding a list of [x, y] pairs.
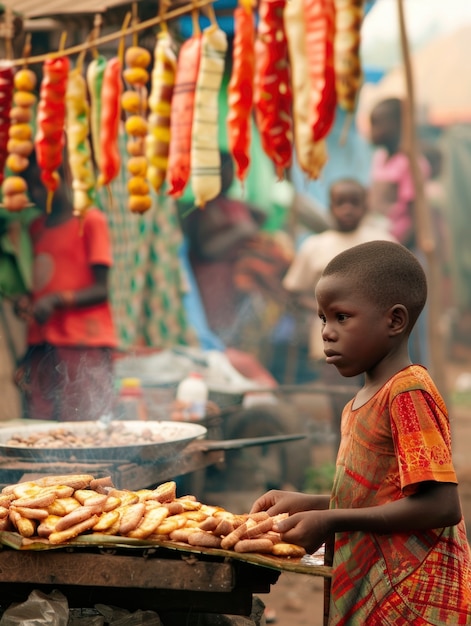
{"points": [[397, 440]]}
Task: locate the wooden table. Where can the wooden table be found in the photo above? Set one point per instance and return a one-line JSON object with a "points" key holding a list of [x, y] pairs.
{"points": [[183, 589]]}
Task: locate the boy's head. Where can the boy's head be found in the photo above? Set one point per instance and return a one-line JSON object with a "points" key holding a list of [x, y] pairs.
{"points": [[386, 123], [383, 273], [347, 204]]}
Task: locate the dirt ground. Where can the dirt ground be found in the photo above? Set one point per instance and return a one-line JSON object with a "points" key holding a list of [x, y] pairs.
{"points": [[297, 600]]}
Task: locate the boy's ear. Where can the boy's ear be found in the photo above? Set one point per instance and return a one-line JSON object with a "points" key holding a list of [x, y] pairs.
{"points": [[398, 319]]}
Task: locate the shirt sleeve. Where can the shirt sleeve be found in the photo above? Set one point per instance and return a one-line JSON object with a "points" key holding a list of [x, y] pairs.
{"points": [[421, 435], [97, 238], [299, 276]]}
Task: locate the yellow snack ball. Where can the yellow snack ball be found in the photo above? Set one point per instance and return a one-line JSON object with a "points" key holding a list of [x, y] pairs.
{"points": [[139, 204], [25, 80], [131, 101], [138, 186], [136, 75], [135, 147], [24, 99], [16, 163], [23, 147], [13, 185], [20, 131], [137, 166], [135, 56], [136, 126], [15, 201], [21, 115]]}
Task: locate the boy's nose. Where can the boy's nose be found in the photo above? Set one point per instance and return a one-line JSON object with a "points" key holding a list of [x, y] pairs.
{"points": [[328, 333]]}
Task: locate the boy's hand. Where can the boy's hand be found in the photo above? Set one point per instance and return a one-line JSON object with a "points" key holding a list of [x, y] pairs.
{"points": [[23, 307], [309, 529], [45, 307]]}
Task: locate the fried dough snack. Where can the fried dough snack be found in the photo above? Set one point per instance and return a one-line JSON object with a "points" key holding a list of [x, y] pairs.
{"points": [[60, 508]]}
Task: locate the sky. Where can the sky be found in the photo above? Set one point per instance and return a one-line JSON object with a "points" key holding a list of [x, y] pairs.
{"points": [[424, 19]]}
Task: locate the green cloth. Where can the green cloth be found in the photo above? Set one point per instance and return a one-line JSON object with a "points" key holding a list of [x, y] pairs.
{"points": [[16, 253]]}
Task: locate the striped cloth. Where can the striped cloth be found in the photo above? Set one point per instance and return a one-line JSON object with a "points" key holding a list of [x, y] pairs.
{"points": [[147, 284], [397, 440]]}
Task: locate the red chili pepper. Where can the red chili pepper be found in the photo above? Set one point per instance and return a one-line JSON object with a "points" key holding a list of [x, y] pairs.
{"points": [[6, 97], [320, 32], [273, 95], [50, 137], [240, 89], [110, 157], [181, 117]]}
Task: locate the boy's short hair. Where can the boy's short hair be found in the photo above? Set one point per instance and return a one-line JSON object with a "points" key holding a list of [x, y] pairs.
{"points": [[387, 273]]}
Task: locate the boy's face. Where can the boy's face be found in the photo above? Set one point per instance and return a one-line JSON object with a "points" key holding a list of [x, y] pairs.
{"points": [[384, 126], [347, 205], [354, 331]]}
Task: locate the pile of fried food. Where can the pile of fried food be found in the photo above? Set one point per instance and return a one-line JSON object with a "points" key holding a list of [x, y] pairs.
{"points": [[57, 509]]}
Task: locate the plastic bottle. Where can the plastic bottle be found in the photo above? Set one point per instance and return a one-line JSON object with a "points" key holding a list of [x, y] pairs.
{"points": [[131, 403], [193, 392]]}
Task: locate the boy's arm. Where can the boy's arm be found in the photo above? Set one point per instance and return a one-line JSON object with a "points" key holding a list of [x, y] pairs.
{"points": [[436, 505]]}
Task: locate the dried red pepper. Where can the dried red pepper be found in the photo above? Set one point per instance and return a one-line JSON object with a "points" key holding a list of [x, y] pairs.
{"points": [[181, 117], [273, 94], [110, 157], [50, 137], [6, 97], [240, 89], [320, 32]]}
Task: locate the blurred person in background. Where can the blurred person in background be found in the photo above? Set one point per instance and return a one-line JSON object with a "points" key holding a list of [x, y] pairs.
{"points": [[392, 192], [348, 210], [67, 371]]}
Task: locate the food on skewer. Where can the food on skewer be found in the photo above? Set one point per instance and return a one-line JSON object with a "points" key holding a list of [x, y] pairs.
{"points": [[311, 155], [6, 98], [241, 88], [134, 103], [348, 73], [78, 144], [94, 78], [110, 157], [157, 140], [205, 155], [181, 115], [273, 94], [20, 143]]}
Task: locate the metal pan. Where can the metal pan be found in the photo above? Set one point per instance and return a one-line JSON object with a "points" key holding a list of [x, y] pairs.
{"points": [[172, 438]]}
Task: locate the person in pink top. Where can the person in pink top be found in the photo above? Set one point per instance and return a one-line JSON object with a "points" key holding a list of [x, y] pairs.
{"points": [[392, 191], [66, 373]]}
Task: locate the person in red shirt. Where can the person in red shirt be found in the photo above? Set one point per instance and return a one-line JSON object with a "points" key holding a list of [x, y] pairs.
{"points": [[67, 373]]}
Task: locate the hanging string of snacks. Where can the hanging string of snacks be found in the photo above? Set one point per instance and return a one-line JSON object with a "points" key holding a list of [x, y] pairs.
{"points": [[94, 79], [160, 101], [205, 155], [240, 92], [78, 145], [311, 155], [20, 134], [134, 103], [273, 100], [50, 138], [347, 37], [111, 92], [290, 70], [320, 32], [181, 115], [12, 191]]}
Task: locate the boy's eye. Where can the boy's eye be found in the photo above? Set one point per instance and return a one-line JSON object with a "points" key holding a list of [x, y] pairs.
{"points": [[342, 317], [322, 318]]}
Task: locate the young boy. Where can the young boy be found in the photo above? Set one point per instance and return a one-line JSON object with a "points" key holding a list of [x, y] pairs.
{"points": [[401, 555]]}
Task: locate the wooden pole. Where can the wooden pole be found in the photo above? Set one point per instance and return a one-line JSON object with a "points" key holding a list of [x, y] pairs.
{"points": [[422, 218]]}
